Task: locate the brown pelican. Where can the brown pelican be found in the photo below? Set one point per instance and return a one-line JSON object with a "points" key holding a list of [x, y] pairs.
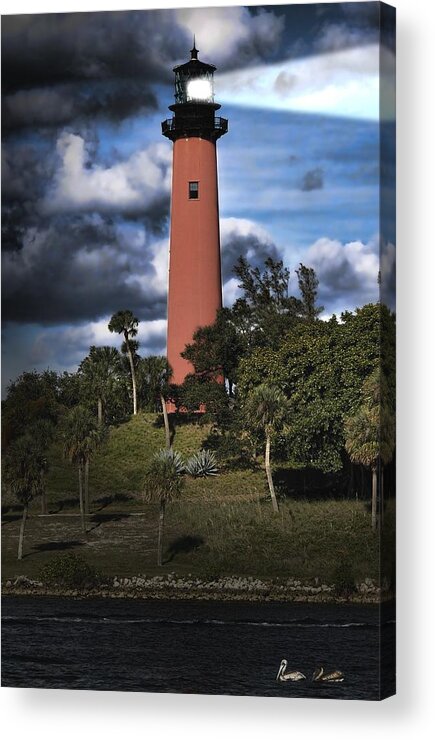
{"points": [[332, 677], [290, 676]]}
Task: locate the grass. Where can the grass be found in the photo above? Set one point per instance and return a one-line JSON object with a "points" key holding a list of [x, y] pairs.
{"points": [[222, 525], [119, 466]]}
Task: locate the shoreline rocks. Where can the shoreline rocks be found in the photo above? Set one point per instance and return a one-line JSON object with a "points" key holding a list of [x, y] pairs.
{"points": [[223, 588]]}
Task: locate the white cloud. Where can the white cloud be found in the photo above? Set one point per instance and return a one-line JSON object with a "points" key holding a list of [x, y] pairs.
{"points": [[348, 273], [132, 185], [341, 83], [222, 32], [64, 347]]}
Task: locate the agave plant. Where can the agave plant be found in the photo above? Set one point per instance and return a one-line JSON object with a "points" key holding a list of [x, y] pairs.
{"points": [[175, 458], [202, 464]]}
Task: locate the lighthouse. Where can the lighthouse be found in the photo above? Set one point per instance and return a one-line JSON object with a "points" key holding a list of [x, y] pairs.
{"points": [[195, 284]]}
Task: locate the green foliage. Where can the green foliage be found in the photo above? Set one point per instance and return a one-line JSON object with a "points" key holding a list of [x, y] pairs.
{"points": [[321, 367], [25, 466], [308, 284], [370, 432], [202, 464], [69, 570], [174, 457], [163, 483], [216, 349], [31, 397], [199, 391], [104, 382], [124, 322], [267, 309], [153, 379], [266, 408], [81, 435]]}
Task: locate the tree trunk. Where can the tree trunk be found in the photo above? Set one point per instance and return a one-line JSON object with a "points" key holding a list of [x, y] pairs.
{"points": [[100, 410], [160, 538], [21, 537], [269, 474], [166, 420], [82, 506], [44, 509], [381, 494], [374, 496], [133, 375], [87, 487]]}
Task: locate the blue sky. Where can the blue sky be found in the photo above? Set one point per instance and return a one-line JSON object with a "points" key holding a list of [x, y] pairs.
{"points": [[86, 172]]}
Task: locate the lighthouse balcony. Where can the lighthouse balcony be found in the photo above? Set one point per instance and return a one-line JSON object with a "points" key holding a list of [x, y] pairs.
{"points": [[178, 128]]}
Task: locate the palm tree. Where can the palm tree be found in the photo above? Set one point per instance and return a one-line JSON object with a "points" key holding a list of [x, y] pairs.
{"points": [[123, 322], [81, 437], [101, 370], [370, 433], [158, 373], [266, 408], [42, 431], [25, 465], [163, 483]]}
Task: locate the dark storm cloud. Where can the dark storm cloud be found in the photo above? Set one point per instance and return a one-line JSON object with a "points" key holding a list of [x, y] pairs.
{"points": [[241, 238], [45, 106], [42, 50], [81, 268], [57, 68], [312, 180]]}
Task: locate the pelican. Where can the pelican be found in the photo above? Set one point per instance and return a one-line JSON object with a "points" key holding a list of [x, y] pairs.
{"points": [[332, 677], [290, 676]]}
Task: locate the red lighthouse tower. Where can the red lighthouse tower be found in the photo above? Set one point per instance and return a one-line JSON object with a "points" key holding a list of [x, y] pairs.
{"points": [[195, 286]]}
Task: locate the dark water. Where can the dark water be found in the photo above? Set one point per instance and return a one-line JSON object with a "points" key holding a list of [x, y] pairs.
{"points": [[203, 647]]}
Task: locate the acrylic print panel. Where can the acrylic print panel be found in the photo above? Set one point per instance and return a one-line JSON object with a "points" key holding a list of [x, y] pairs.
{"points": [[199, 463]]}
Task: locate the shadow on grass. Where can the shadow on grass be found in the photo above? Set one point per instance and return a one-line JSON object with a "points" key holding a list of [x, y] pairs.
{"points": [[55, 546], [308, 484], [11, 507], [65, 503], [183, 545], [98, 519], [8, 518], [116, 498]]}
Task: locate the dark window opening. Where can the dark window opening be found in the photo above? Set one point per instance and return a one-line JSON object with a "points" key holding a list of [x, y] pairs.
{"points": [[193, 190]]}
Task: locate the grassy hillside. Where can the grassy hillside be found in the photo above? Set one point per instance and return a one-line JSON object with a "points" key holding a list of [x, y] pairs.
{"points": [[119, 467], [221, 525]]}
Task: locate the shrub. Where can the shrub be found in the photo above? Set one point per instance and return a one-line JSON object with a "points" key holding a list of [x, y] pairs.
{"points": [[174, 457], [202, 464], [69, 570]]}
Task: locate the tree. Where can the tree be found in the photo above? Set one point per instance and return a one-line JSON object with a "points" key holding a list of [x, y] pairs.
{"points": [[370, 433], [308, 284], [216, 349], [201, 392], [321, 367], [265, 304], [32, 396], [101, 372], [304, 368], [81, 437], [266, 409], [163, 484], [123, 322], [156, 374], [25, 465], [42, 432]]}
